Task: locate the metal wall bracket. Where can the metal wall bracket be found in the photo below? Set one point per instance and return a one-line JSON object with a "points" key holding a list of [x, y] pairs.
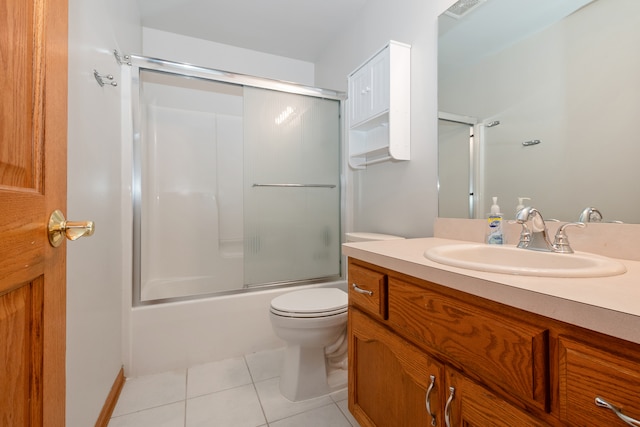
{"points": [[102, 79]]}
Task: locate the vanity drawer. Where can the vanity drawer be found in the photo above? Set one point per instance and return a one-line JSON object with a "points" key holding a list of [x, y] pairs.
{"points": [[586, 373], [500, 350], [368, 290]]}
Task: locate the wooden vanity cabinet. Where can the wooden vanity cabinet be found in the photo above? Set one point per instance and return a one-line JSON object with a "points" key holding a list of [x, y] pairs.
{"points": [[505, 366], [586, 373]]}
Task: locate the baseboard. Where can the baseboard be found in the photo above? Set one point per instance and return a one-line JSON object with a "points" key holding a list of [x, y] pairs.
{"points": [[112, 399]]}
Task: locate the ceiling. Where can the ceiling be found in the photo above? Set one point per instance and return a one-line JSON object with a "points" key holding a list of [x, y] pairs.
{"points": [[299, 29]]}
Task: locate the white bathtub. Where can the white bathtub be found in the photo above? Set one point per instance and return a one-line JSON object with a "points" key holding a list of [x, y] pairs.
{"points": [[177, 335]]}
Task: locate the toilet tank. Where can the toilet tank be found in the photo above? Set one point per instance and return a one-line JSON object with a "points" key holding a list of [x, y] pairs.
{"points": [[369, 237]]}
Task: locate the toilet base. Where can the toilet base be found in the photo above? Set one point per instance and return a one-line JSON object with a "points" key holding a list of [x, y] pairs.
{"points": [[302, 381]]}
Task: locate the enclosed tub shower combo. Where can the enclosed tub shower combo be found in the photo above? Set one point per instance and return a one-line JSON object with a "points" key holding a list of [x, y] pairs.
{"points": [[236, 182]]}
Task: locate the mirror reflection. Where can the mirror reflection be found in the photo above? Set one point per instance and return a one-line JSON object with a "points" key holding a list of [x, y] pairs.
{"points": [[539, 99]]}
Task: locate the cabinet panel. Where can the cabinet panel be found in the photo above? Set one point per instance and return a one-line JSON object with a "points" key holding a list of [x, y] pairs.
{"points": [[379, 83], [585, 373], [474, 406], [502, 351], [360, 95], [389, 378], [370, 291]]}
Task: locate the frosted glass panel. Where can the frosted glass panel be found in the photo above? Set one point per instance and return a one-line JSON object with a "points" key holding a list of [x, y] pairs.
{"points": [[191, 186], [291, 233], [216, 211]]}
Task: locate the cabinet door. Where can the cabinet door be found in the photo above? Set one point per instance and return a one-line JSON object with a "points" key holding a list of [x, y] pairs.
{"points": [[471, 405], [587, 373], [389, 378], [379, 83], [368, 290], [360, 95]]}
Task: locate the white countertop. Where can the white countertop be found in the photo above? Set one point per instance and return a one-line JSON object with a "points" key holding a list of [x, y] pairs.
{"points": [[610, 305]]}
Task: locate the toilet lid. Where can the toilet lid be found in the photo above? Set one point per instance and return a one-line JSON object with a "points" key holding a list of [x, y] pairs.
{"points": [[312, 301]]}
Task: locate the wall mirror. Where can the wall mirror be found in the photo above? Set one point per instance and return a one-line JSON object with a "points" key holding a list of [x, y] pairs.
{"points": [[540, 99]]}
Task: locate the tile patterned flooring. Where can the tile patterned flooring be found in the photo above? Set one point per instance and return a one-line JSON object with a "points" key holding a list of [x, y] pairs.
{"points": [[237, 392]]}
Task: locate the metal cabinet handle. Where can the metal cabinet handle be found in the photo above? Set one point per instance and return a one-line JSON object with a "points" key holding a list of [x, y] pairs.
{"points": [[360, 290], [628, 420], [447, 408], [428, 400]]}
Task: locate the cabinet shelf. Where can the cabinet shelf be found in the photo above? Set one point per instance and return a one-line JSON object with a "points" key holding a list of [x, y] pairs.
{"points": [[379, 102]]}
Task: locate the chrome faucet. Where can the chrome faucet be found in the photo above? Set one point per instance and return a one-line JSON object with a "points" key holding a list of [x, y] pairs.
{"points": [[590, 214], [536, 237]]}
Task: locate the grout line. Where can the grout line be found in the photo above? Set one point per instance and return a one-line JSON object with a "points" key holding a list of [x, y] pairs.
{"points": [[255, 390], [186, 393]]}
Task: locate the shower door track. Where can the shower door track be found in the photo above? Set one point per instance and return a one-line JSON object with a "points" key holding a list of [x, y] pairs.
{"points": [[138, 63], [185, 69]]}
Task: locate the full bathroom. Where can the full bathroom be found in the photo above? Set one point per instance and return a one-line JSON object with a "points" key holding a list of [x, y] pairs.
{"points": [[200, 227]]}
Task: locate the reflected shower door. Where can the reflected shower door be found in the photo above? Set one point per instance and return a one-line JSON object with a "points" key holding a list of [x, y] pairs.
{"points": [[291, 187], [455, 192]]}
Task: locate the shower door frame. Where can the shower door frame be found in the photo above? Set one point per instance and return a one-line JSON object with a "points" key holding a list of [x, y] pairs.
{"points": [[476, 161], [140, 63]]}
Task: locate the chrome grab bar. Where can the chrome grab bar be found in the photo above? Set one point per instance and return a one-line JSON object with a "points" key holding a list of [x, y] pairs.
{"points": [[297, 185]]}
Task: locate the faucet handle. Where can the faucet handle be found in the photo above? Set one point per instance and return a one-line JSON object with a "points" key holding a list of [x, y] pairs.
{"points": [[561, 241]]}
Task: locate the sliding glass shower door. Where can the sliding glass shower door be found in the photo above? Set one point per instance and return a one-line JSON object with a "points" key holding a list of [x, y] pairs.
{"points": [[235, 187], [291, 187]]}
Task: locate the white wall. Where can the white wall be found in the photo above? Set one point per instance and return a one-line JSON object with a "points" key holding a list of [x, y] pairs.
{"points": [[179, 48], [94, 265], [396, 198]]}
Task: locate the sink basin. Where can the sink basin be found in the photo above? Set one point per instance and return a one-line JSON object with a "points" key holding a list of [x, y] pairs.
{"points": [[524, 262]]}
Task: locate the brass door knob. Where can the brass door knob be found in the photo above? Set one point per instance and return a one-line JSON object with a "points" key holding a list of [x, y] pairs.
{"points": [[59, 228]]}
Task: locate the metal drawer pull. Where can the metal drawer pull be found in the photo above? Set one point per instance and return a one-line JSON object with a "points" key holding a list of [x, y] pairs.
{"points": [[604, 404], [447, 408], [429, 390], [360, 290]]}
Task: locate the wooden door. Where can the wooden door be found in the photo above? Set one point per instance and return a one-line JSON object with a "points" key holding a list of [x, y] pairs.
{"points": [[33, 123], [474, 406], [389, 378]]}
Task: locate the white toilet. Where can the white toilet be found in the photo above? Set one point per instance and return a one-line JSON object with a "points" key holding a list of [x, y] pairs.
{"points": [[313, 323]]}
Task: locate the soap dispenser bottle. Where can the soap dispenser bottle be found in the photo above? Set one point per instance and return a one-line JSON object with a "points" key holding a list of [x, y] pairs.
{"points": [[520, 205], [495, 234]]}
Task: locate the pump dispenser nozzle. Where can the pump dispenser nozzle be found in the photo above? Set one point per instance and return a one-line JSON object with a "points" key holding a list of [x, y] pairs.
{"points": [[495, 209], [520, 205]]}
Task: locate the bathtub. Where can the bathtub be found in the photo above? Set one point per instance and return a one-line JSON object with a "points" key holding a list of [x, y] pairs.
{"points": [[177, 335]]}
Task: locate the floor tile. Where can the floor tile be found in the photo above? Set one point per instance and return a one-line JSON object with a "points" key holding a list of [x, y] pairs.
{"points": [[325, 416], [162, 416], [236, 407], [265, 364], [151, 391], [217, 376], [277, 407]]}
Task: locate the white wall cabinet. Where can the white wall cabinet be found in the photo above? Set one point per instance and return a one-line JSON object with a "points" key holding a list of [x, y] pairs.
{"points": [[379, 107]]}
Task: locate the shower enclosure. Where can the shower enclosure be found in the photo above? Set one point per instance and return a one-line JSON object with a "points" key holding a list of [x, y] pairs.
{"points": [[236, 182]]}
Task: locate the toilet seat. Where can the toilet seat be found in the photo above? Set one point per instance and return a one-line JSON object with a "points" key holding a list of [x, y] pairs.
{"points": [[307, 303]]}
